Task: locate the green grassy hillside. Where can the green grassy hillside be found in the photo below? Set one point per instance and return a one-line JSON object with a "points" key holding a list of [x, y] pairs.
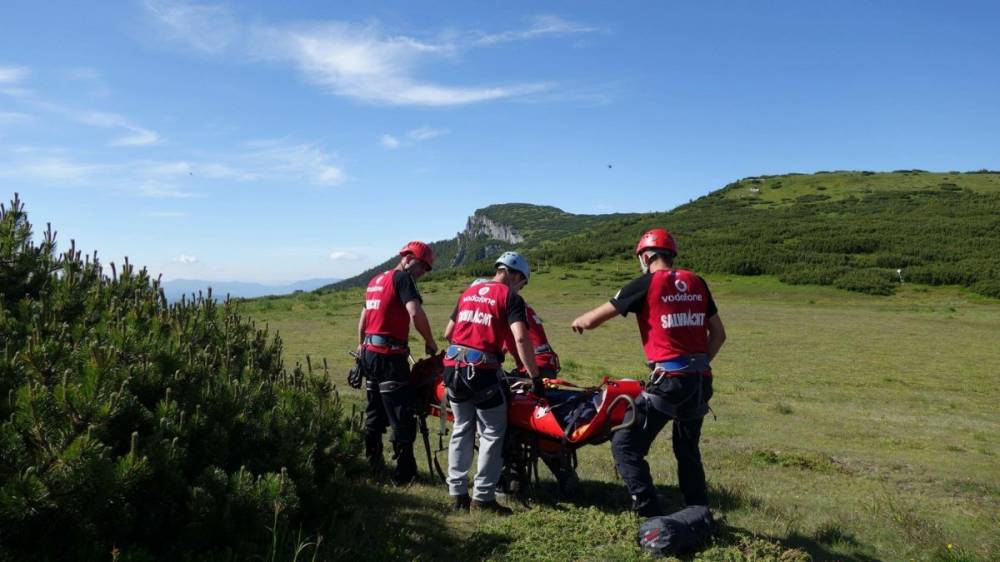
{"points": [[852, 230], [493, 230], [848, 428]]}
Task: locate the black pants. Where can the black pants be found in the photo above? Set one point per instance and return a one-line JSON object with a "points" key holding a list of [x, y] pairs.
{"points": [[391, 403], [630, 447]]}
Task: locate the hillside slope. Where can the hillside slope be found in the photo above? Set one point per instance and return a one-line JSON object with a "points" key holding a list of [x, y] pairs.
{"points": [[860, 231], [495, 229]]}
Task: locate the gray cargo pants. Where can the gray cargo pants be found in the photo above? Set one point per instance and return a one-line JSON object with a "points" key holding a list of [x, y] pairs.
{"points": [[492, 424]]}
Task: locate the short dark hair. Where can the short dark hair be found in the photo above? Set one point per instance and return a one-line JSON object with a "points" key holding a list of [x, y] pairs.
{"points": [[666, 255]]}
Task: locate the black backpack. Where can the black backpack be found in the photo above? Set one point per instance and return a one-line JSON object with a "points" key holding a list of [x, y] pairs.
{"points": [[678, 533]]}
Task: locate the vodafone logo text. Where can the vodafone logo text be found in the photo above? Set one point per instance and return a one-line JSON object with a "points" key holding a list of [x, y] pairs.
{"points": [[683, 297]]}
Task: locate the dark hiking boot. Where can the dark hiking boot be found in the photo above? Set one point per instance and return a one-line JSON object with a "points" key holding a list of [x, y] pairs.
{"points": [[648, 507], [461, 503], [406, 465], [491, 507]]}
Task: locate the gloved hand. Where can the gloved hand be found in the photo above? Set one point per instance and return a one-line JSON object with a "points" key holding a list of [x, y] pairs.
{"points": [[354, 376], [538, 387]]}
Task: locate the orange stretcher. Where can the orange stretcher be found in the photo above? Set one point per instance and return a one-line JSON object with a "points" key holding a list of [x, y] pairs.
{"points": [[568, 418]]}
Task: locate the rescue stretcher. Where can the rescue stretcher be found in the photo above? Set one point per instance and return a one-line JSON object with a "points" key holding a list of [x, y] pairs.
{"points": [[567, 418]]}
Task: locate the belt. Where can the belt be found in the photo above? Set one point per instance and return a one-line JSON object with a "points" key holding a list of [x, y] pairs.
{"points": [[694, 363], [385, 341], [475, 357], [544, 348]]}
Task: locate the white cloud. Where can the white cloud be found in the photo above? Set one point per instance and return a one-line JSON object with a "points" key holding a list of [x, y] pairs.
{"points": [[185, 259], [211, 170], [542, 26], [209, 28], [389, 141], [12, 74], [425, 133], [303, 161], [341, 255], [411, 137], [361, 62], [364, 63], [137, 137], [53, 170]]}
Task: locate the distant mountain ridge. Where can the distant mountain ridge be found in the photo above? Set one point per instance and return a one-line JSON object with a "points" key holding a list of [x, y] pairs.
{"points": [[857, 230], [176, 288], [493, 230]]}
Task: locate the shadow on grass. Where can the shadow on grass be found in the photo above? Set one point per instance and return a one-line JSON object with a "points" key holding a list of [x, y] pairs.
{"points": [[387, 523], [818, 547], [608, 497]]}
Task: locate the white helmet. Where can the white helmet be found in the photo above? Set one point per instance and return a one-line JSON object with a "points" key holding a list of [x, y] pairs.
{"points": [[514, 261]]}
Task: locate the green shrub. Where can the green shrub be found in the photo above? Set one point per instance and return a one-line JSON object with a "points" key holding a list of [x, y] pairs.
{"points": [[148, 427], [871, 281], [989, 288]]}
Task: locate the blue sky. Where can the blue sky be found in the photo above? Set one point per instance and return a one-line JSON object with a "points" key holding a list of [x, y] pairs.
{"points": [[275, 141]]}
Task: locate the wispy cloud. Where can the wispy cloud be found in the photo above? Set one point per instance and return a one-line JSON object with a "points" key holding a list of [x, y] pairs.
{"points": [[411, 137], [185, 259], [363, 62], [273, 161], [389, 141], [134, 134], [210, 28], [302, 161], [425, 133], [53, 170], [367, 64], [10, 75], [541, 26], [137, 137], [13, 117], [343, 255]]}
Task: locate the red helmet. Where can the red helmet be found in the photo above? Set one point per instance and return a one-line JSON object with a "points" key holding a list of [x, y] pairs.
{"points": [[420, 251], [656, 239]]}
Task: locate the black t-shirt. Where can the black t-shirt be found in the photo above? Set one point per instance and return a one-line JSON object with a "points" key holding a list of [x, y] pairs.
{"points": [[406, 288], [516, 309], [632, 297]]}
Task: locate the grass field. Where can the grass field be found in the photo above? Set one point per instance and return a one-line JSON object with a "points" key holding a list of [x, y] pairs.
{"points": [[849, 427]]}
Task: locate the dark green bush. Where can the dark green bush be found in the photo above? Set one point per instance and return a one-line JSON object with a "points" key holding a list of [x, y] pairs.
{"points": [[149, 427], [870, 281], [990, 288]]}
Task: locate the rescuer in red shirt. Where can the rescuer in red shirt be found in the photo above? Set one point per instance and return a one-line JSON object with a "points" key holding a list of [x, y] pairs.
{"points": [[487, 315], [681, 333], [546, 358], [391, 303], [547, 362]]}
